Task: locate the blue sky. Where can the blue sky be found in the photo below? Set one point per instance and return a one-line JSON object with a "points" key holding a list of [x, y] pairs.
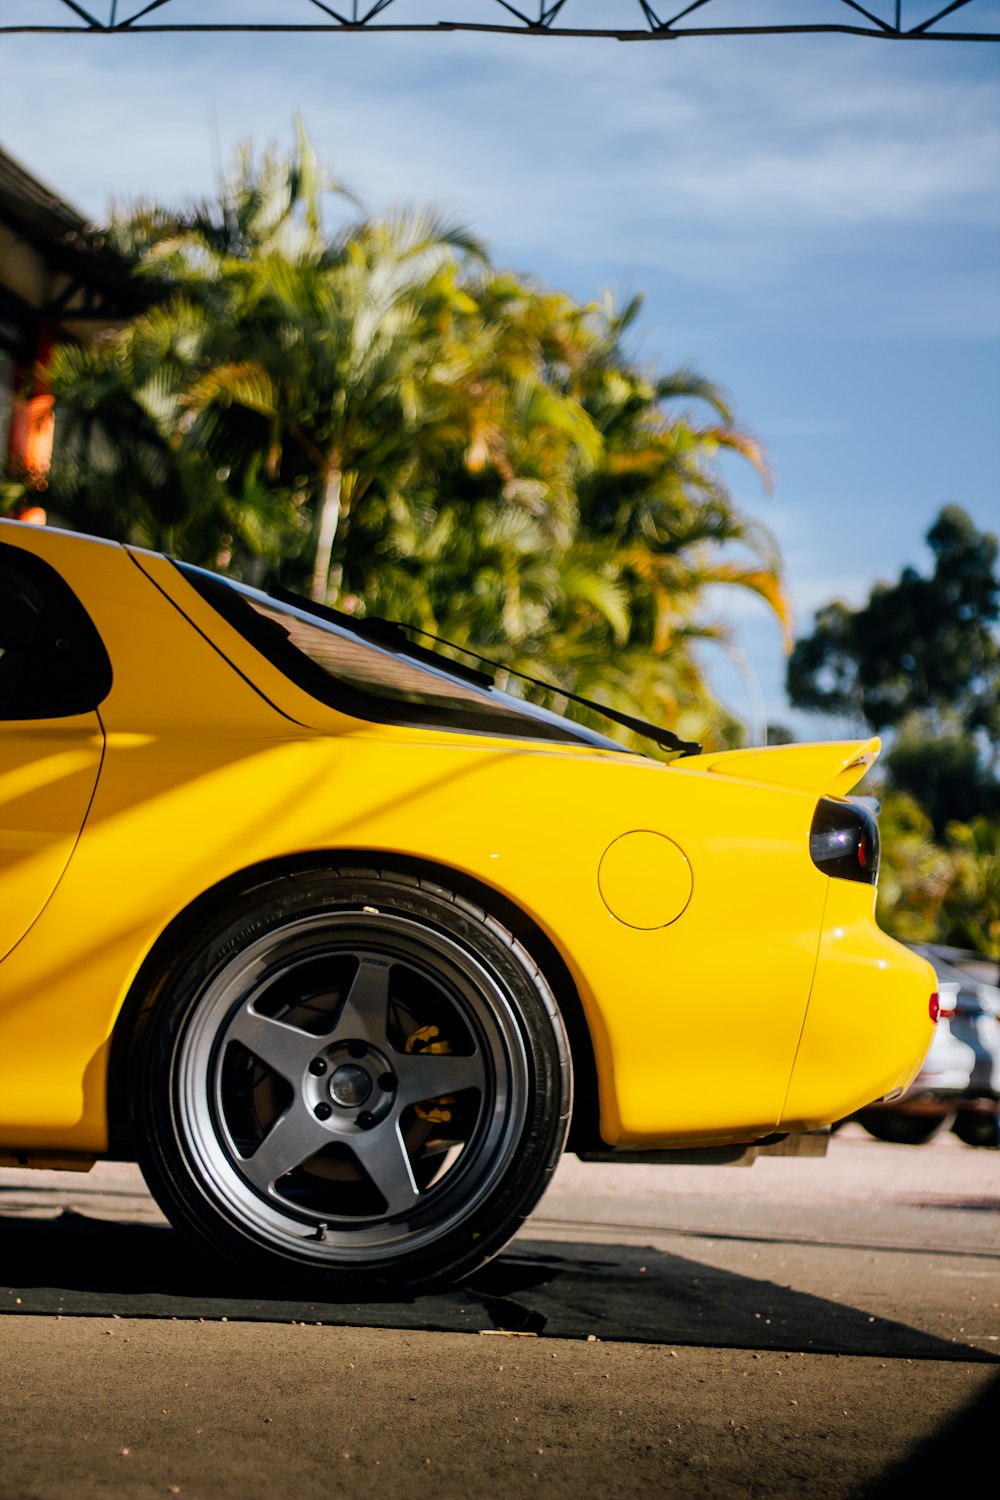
{"points": [[814, 223]]}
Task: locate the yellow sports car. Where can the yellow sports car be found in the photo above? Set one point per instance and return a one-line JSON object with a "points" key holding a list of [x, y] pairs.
{"points": [[325, 930]]}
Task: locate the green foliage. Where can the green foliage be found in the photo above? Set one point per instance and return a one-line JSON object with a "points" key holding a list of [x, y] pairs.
{"points": [[971, 906], [923, 645], [14, 494], [921, 658], [946, 769], [377, 415], [946, 889], [915, 872]]}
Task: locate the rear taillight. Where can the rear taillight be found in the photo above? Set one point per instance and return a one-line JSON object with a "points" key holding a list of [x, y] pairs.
{"points": [[934, 1007], [844, 840]]}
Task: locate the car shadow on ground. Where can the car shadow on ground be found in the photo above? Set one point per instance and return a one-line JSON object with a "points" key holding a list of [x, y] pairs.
{"points": [[75, 1265]]}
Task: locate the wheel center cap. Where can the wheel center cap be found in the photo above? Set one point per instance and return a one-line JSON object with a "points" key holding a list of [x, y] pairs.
{"points": [[350, 1085]]}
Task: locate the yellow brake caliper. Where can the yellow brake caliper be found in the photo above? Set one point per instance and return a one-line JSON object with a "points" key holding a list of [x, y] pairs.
{"points": [[427, 1041]]}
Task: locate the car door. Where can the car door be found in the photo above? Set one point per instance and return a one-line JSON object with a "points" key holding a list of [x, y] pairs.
{"points": [[54, 671]]}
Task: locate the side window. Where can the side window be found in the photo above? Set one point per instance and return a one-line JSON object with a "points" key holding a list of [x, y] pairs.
{"points": [[52, 661]]}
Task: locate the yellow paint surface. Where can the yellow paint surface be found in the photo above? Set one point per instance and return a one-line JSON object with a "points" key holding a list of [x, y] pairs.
{"points": [[745, 1005], [645, 879]]}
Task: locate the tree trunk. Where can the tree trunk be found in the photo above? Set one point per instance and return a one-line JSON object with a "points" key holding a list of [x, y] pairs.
{"points": [[329, 520]]}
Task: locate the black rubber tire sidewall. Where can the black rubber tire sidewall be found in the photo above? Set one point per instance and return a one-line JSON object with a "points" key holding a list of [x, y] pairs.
{"points": [[168, 1165]]}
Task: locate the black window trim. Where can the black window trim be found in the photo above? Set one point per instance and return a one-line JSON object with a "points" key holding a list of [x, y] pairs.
{"points": [[516, 718]]}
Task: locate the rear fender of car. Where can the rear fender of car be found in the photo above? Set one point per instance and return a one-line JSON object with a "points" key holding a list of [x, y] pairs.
{"points": [[205, 907], [174, 816], [882, 991]]}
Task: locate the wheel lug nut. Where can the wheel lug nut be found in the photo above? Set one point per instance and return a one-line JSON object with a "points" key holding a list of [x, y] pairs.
{"points": [[323, 1111], [318, 1066], [356, 1049], [366, 1120], [387, 1082]]}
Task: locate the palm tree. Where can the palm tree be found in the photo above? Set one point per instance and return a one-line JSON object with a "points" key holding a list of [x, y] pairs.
{"points": [[381, 417], [651, 526], [573, 528], [335, 368]]}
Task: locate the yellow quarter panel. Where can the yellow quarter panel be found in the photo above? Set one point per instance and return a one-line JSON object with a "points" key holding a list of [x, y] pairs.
{"points": [[868, 1026], [48, 770], [691, 1034]]}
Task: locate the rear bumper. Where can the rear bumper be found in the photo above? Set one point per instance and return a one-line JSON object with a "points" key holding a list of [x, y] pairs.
{"points": [[937, 1103], [867, 1027], [962, 1069]]}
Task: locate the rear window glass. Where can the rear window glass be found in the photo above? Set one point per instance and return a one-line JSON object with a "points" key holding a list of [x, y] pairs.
{"points": [[368, 680]]}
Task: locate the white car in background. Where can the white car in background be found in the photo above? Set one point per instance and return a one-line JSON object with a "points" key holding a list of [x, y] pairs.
{"points": [[960, 1079]]}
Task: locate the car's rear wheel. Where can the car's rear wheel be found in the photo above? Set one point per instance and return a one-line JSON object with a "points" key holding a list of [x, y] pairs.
{"points": [[356, 1075], [902, 1129]]}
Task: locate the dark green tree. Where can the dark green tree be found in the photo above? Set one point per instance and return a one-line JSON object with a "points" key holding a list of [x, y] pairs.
{"points": [[922, 645], [949, 772], [921, 658]]}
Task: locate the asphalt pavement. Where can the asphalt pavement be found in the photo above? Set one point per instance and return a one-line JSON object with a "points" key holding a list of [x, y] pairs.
{"points": [[830, 1326]]}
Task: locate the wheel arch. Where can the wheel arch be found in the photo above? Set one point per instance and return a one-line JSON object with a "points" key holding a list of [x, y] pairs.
{"points": [[585, 1127]]}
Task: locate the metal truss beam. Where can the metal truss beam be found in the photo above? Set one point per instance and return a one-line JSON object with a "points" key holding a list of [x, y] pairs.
{"points": [[886, 20]]}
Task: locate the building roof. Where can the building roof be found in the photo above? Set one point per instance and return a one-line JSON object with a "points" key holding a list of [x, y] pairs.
{"points": [[87, 281]]}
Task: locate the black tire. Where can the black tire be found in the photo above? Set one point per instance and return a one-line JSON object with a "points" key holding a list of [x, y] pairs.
{"points": [[977, 1128], [902, 1129], [352, 1077]]}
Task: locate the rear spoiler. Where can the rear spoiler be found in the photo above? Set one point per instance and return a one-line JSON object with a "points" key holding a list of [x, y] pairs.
{"points": [[829, 769]]}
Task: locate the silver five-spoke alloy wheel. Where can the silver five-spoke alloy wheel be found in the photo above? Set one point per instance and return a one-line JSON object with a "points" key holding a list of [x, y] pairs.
{"points": [[363, 1076]]}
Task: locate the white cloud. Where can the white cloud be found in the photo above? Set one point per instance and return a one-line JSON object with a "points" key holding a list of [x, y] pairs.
{"points": [[777, 199], [616, 152]]}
